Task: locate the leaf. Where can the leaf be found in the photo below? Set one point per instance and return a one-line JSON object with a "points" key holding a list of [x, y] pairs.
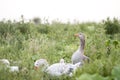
{"points": [[107, 42], [116, 73], [115, 43], [92, 77], [35, 57]]}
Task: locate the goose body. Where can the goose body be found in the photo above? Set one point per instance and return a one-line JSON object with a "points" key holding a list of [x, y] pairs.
{"points": [[77, 57], [13, 69], [71, 68], [58, 69]]}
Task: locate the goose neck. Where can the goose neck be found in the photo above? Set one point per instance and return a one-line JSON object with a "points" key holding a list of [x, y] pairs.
{"points": [[82, 45]]}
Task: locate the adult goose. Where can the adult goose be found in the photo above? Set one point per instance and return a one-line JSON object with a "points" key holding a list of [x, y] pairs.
{"points": [[79, 56], [56, 69]]}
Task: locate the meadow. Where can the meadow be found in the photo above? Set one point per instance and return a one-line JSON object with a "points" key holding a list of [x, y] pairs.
{"points": [[24, 42]]}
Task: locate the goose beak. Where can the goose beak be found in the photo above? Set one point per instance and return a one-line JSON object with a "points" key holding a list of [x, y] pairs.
{"points": [[36, 68], [76, 35]]}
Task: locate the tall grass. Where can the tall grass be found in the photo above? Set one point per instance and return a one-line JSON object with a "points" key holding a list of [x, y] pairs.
{"points": [[24, 43]]}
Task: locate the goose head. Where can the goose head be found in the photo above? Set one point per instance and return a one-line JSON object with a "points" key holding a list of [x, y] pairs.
{"points": [[62, 61], [80, 35], [40, 63], [5, 62]]}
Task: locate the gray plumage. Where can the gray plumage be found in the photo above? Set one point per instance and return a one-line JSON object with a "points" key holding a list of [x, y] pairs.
{"points": [[78, 56]]}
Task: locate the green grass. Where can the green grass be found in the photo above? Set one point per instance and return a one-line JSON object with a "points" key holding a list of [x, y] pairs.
{"points": [[27, 42]]}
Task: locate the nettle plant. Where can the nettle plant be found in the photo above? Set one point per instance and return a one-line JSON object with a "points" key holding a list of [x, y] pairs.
{"points": [[110, 43]]}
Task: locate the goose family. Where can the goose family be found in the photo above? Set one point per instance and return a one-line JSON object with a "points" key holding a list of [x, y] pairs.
{"points": [[78, 56], [57, 69], [60, 68], [7, 64]]}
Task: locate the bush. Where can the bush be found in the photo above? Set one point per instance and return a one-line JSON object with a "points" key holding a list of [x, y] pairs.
{"points": [[43, 29], [6, 28], [24, 28], [112, 26]]}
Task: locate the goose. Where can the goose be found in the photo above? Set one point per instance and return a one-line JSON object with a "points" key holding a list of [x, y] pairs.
{"points": [[56, 69], [78, 56], [7, 64]]}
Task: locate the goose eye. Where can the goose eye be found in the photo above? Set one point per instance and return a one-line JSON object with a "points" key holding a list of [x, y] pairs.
{"points": [[36, 64]]}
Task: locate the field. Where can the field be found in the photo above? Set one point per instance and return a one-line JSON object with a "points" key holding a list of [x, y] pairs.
{"points": [[24, 42]]}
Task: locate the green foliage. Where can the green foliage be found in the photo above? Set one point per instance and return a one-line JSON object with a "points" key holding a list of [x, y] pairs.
{"points": [[91, 77], [115, 42], [24, 42], [6, 28], [43, 29], [24, 28], [109, 43], [112, 26], [116, 73]]}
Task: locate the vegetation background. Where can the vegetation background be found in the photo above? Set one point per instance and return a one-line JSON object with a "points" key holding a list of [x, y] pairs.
{"points": [[24, 42]]}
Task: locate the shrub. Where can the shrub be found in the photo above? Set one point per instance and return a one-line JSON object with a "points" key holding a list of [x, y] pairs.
{"points": [[6, 28], [43, 29], [23, 27], [111, 26]]}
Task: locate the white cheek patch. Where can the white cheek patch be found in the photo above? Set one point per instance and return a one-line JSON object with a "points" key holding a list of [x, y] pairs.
{"points": [[36, 64]]}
